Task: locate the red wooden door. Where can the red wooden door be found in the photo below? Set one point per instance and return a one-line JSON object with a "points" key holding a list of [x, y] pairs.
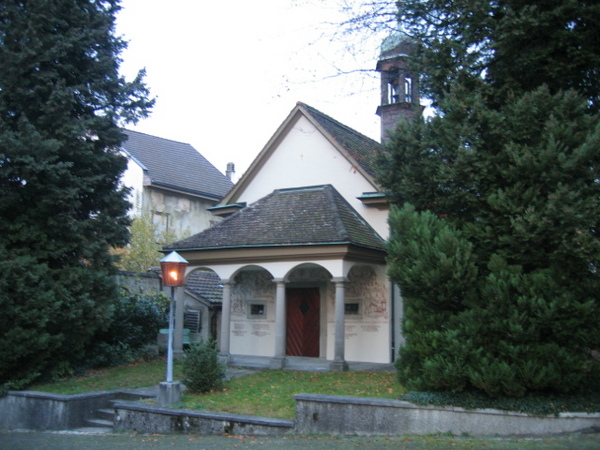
{"points": [[303, 317]]}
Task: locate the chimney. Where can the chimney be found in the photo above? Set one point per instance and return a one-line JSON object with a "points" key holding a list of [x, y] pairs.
{"points": [[230, 171]]}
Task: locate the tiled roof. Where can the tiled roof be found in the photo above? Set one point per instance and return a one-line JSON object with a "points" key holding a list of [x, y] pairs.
{"points": [[205, 284], [316, 215], [176, 165], [362, 148]]}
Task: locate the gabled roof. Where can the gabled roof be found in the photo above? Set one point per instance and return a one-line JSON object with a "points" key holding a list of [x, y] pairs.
{"points": [[308, 216], [359, 149], [362, 148], [205, 284], [176, 166]]}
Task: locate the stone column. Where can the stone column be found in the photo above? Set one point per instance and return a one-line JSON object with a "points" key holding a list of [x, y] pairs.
{"points": [[225, 321], [339, 364], [279, 360]]}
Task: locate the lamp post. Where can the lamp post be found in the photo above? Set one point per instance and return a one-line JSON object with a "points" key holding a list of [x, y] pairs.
{"points": [[172, 268]]}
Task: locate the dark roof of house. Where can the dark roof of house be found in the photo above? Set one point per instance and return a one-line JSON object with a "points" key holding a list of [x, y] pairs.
{"points": [[205, 284], [316, 215], [175, 165], [362, 148]]}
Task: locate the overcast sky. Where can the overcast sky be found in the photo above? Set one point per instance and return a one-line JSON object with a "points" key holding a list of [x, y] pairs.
{"points": [[226, 74]]}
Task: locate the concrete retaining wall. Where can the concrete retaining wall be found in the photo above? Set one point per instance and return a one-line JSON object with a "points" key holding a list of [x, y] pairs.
{"points": [[40, 410], [315, 414], [371, 416], [150, 419]]}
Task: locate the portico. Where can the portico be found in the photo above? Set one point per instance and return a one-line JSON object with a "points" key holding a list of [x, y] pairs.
{"points": [[268, 285], [325, 300]]}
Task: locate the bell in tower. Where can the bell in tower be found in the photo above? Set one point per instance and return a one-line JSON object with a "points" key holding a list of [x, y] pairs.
{"points": [[399, 87]]}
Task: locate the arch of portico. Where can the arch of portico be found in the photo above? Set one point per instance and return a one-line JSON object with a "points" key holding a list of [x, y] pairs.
{"points": [[266, 281]]}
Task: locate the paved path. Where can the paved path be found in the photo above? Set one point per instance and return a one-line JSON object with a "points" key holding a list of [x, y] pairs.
{"points": [[44, 440]]}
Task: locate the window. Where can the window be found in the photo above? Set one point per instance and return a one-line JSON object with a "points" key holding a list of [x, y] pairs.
{"points": [[392, 90], [257, 310], [408, 88], [351, 308], [192, 320], [161, 221]]}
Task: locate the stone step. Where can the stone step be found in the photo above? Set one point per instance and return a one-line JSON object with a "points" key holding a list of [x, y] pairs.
{"points": [[100, 423], [91, 430], [106, 414], [134, 396]]}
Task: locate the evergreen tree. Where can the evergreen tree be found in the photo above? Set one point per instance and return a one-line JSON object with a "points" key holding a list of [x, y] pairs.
{"points": [[515, 45], [435, 267], [62, 105], [510, 162]]}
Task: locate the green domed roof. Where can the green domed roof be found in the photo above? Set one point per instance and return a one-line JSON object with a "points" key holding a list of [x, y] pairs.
{"points": [[397, 44]]}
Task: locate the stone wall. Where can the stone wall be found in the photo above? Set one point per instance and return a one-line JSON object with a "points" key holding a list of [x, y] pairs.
{"points": [[136, 283], [373, 416], [315, 414], [149, 419], [44, 411]]}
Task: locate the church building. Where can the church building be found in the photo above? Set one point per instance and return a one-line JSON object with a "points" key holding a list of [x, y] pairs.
{"points": [[301, 250]]}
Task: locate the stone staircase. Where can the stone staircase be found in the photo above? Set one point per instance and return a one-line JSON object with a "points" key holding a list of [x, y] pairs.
{"points": [[102, 421]]}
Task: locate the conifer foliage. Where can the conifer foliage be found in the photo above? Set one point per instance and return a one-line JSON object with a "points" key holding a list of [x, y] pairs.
{"points": [[496, 248], [202, 370], [62, 105]]}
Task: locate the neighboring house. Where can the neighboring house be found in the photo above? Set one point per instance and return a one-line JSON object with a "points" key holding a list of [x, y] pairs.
{"points": [[301, 253], [202, 304], [172, 182]]}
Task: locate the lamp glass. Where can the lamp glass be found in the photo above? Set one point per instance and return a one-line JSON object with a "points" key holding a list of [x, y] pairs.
{"points": [[172, 268]]}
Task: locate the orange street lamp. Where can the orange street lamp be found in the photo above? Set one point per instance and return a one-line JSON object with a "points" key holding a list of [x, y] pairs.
{"points": [[172, 269]]}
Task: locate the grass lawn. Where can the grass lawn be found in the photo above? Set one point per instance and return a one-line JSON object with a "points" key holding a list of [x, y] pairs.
{"points": [[131, 376], [266, 393], [270, 393]]}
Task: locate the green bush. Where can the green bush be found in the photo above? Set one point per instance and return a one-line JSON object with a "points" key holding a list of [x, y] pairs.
{"points": [[134, 324], [542, 403], [148, 352], [104, 354], [136, 320], [202, 370], [501, 329]]}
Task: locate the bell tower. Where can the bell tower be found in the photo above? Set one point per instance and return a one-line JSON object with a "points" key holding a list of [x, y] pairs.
{"points": [[399, 86]]}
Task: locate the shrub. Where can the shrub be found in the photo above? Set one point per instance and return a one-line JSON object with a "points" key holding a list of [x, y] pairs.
{"points": [[503, 329], [104, 354], [202, 370], [135, 321], [539, 403], [148, 352]]}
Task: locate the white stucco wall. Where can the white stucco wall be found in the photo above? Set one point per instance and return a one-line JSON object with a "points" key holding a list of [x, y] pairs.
{"points": [[305, 158], [367, 335], [133, 177], [187, 215], [191, 303], [252, 335]]}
